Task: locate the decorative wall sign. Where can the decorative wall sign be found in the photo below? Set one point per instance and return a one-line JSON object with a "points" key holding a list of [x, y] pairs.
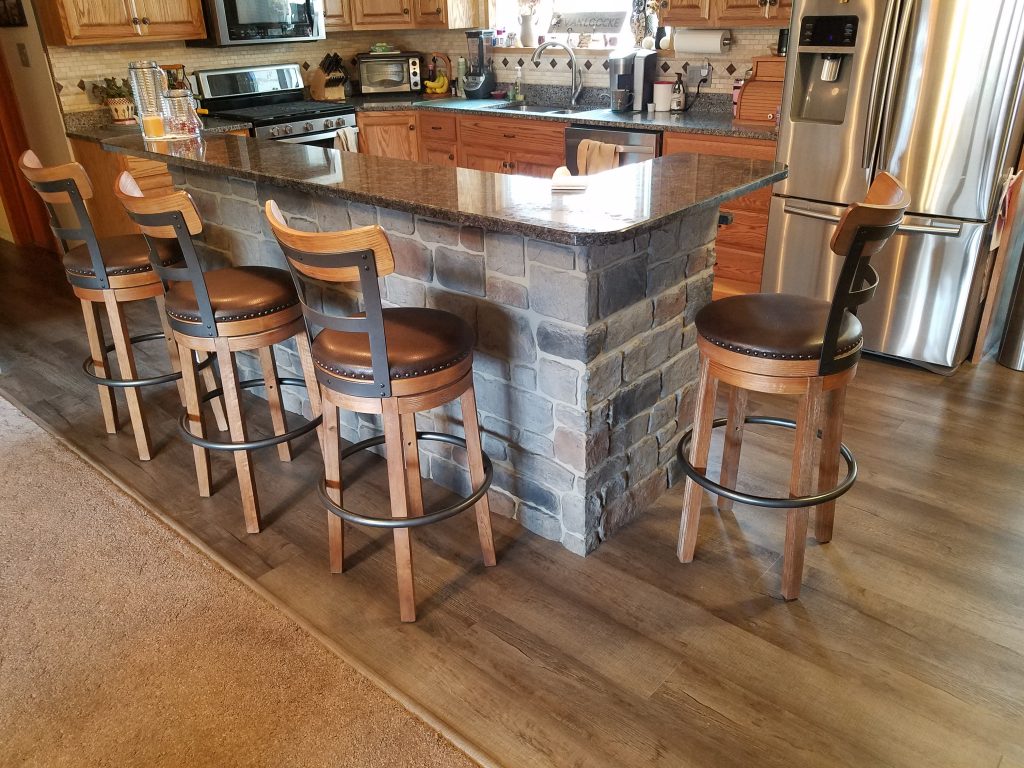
{"points": [[592, 22], [12, 14]]}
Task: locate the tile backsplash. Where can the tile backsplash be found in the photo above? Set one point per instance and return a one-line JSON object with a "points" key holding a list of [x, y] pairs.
{"points": [[75, 69]]}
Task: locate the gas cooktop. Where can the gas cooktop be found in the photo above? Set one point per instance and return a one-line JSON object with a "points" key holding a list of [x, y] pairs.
{"points": [[263, 114]]}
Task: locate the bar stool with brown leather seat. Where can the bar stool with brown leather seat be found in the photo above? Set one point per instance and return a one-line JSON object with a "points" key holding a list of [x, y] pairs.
{"points": [[224, 311], [108, 272], [395, 362], [796, 345]]}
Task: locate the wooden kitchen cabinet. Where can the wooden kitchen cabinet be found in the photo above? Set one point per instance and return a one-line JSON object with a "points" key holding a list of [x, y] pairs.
{"points": [[503, 145], [105, 210], [389, 134], [740, 245], [414, 14], [337, 15], [721, 13], [89, 22], [438, 139], [381, 14]]}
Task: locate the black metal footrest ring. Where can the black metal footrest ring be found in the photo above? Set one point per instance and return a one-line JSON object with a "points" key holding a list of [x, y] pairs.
{"points": [[427, 517], [87, 367], [250, 445], [766, 501]]}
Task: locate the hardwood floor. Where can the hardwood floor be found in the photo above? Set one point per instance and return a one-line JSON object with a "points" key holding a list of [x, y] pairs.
{"points": [[906, 647]]}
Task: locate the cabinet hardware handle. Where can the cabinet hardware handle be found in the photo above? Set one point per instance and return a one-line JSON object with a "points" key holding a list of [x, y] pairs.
{"points": [[509, 135], [405, 11], [438, 11], [435, 127], [664, 3], [451, 157], [412, 127], [145, 20], [135, 20]]}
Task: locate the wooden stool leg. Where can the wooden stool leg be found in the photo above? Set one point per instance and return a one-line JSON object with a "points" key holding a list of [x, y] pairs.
{"points": [[126, 367], [699, 448], [210, 383], [476, 473], [172, 347], [399, 507], [411, 455], [195, 421], [733, 443], [273, 387], [801, 479], [828, 468], [332, 479], [94, 332], [309, 376], [236, 427]]}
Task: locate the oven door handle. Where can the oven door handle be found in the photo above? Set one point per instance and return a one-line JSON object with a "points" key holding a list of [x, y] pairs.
{"points": [[306, 138]]}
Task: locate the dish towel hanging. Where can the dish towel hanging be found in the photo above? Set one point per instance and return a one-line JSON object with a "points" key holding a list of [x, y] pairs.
{"points": [[596, 156], [347, 139]]}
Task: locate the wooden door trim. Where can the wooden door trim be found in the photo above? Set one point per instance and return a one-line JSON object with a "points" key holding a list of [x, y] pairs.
{"points": [[30, 224]]}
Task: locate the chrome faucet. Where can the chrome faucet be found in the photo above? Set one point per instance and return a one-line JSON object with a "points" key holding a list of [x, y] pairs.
{"points": [[577, 73]]}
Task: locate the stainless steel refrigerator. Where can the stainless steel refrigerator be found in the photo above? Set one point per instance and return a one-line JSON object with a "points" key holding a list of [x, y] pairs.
{"points": [[929, 91]]}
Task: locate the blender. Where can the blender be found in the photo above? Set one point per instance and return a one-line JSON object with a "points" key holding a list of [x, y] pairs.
{"points": [[479, 81]]}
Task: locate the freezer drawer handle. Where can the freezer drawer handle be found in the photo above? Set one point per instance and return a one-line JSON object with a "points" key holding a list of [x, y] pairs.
{"points": [[946, 230]]}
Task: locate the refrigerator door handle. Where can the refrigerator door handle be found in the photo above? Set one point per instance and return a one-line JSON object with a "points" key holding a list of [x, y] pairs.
{"points": [[875, 95], [895, 65], [942, 230]]}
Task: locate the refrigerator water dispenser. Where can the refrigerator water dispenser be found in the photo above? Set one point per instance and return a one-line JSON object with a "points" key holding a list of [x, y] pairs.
{"points": [[825, 50]]}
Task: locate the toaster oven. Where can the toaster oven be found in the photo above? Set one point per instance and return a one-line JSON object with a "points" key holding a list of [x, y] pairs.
{"points": [[393, 72]]}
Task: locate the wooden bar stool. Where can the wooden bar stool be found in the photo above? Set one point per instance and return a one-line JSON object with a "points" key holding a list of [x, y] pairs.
{"points": [[395, 362], [108, 273], [789, 345], [223, 311]]}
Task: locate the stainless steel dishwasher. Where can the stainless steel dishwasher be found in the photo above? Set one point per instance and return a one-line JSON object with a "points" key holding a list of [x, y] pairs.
{"points": [[634, 146]]}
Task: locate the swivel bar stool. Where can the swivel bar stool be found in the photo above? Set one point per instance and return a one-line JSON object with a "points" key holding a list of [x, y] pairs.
{"points": [[223, 311], [395, 362], [107, 272], [789, 345]]}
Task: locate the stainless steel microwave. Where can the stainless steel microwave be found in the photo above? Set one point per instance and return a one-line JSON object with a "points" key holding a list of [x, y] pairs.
{"points": [[248, 22], [390, 72]]}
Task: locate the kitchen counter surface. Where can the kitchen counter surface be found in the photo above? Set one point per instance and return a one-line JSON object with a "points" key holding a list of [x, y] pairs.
{"points": [[714, 123], [90, 130], [617, 205]]}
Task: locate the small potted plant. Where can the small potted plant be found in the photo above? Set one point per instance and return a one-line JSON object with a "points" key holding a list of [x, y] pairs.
{"points": [[118, 98]]}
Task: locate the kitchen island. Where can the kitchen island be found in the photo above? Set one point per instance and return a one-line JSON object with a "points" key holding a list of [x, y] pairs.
{"points": [[583, 302]]}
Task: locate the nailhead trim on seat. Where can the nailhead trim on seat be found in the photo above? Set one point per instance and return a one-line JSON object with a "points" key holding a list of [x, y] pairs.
{"points": [[233, 318], [350, 375], [777, 356]]}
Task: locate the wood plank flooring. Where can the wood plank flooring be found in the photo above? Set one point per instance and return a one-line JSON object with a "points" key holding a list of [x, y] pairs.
{"points": [[906, 647]]}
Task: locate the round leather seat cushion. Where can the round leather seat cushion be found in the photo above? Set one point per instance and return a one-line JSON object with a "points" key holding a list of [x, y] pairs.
{"points": [[236, 293], [122, 255], [419, 341], [774, 325]]}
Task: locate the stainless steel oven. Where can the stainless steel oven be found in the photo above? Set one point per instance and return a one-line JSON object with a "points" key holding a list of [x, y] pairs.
{"points": [[248, 22]]}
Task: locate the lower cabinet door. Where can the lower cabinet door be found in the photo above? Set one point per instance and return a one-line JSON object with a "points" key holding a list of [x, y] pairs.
{"points": [[438, 153], [389, 134], [484, 158]]}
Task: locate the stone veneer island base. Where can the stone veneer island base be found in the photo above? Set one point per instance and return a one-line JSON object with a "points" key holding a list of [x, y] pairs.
{"points": [[583, 304]]}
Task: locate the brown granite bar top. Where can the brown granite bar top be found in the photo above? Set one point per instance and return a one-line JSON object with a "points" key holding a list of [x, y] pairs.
{"points": [[617, 205]]}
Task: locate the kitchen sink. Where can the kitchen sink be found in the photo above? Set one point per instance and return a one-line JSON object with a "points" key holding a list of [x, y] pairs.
{"points": [[541, 109]]}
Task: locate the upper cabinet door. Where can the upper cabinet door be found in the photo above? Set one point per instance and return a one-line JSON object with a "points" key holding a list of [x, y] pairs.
{"points": [[381, 14], [782, 12], [86, 21], [749, 12], [676, 12], [337, 15], [175, 19], [430, 13]]}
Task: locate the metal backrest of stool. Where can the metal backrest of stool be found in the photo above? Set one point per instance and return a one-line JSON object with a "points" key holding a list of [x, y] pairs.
{"points": [[67, 184], [358, 255], [171, 216], [862, 231]]}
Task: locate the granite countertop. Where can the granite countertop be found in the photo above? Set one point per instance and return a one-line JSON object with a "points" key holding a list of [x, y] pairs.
{"points": [[618, 204], [716, 123], [90, 127]]}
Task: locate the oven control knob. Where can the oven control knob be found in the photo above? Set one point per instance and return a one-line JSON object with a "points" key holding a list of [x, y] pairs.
{"points": [[307, 127], [275, 131], [288, 130], [328, 124]]}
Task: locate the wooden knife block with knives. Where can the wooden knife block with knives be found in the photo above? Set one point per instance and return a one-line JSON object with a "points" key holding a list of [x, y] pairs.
{"points": [[761, 96], [327, 83]]}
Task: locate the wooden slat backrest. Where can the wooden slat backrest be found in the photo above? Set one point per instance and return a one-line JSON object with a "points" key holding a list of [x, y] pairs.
{"points": [[36, 172], [884, 205], [370, 238], [130, 195]]}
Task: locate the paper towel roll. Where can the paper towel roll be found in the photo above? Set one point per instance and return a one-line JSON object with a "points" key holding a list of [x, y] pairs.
{"points": [[701, 41]]}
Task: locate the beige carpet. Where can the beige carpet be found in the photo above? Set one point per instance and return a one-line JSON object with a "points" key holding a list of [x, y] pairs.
{"points": [[120, 645]]}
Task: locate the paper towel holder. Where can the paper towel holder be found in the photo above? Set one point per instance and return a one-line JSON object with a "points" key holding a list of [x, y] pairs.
{"points": [[725, 41]]}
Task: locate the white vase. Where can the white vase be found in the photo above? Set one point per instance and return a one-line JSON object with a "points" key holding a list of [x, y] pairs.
{"points": [[527, 39]]}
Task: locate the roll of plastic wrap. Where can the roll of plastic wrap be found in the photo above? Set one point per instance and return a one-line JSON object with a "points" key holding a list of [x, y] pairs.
{"points": [[701, 40]]}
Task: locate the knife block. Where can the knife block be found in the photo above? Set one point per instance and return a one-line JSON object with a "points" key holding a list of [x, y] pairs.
{"points": [[326, 88]]}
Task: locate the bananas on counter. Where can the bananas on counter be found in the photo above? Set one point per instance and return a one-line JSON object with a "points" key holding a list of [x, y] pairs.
{"points": [[438, 84]]}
